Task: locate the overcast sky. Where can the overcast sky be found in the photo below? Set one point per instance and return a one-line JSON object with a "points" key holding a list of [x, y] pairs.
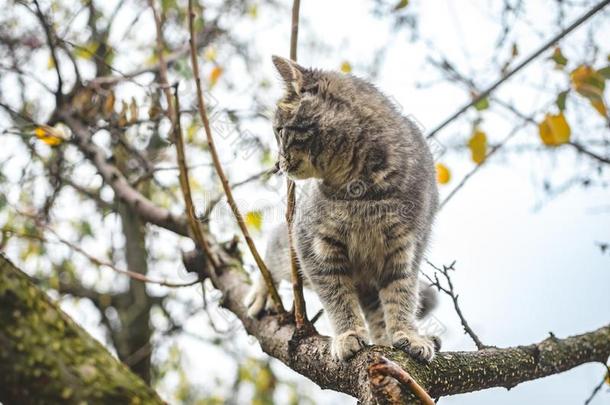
{"points": [[525, 266]]}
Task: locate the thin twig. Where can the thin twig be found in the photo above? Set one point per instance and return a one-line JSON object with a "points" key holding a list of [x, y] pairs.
{"points": [[520, 66], [94, 260], [300, 309], [589, 153], [186, 187], [214, 201], [387, 368], [579, 147], [491, 152], [450, 291], [599, 386], [51, 43], [218, 166], [162, 64], [174, 117]]}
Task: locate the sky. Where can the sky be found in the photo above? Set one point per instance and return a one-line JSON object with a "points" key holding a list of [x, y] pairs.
{"points": [[525, 265]]}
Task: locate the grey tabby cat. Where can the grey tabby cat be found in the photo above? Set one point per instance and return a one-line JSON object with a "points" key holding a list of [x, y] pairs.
{"points": [[364, 216]]}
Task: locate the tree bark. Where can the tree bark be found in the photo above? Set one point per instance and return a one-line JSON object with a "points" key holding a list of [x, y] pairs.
{"points": [[47, 358], [132, 339], [450, 373]]}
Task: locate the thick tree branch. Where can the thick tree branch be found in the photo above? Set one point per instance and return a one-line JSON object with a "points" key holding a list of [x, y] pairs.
{"points": [[47, 358], [113, 177], [450, 373]]}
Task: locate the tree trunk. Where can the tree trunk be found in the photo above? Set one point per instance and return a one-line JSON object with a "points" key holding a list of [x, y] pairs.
{"points": [[46, 358], [132, 340]]}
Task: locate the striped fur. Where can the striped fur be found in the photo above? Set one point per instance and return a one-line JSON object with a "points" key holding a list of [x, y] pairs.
{"points": [[365, 210]]}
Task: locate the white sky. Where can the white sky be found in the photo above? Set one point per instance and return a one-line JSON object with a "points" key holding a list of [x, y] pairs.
{"points": [[521, 271]]}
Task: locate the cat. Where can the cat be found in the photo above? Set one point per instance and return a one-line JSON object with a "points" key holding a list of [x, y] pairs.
{"points": [[364, 214]]}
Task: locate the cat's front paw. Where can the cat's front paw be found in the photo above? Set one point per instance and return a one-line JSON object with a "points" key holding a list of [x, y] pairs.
{"points": [[421, 348], [347, 344]]}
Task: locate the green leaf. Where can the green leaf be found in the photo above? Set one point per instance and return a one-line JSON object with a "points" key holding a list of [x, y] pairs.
{"points": [[401, 4], [86, 51], [482, 104], [561, 100], [605, 72], [86, 229], [558, 58]]}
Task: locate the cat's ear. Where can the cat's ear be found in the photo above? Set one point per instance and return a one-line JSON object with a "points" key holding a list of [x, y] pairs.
{"points": [[290, 71]]}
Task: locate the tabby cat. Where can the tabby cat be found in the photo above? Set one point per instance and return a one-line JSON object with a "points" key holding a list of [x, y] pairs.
{"points": [[365, 212]]}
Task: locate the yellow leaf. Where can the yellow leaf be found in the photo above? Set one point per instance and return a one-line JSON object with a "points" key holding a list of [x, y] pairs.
{"points": [[607, 378], [554, 130], [600, 106], [346, 67], [253, 11], [254, 219], [443, 175], [49, 135], [210, 54], [50, 63], [478, 146], [215, 75], [191, 131], [587, 82]]}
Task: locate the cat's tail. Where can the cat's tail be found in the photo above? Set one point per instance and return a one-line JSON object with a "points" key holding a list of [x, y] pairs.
{"points": [[277, 259], [428, 299]]}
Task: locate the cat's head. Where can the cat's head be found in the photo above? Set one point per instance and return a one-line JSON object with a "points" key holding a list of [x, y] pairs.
{"points": [[310, 120]]}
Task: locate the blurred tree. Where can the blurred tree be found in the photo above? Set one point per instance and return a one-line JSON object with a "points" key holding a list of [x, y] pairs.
{"points": [[89, 127]]}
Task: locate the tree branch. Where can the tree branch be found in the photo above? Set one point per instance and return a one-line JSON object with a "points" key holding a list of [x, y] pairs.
{"points": [[552, 41], [450, 372], [218, 166], [300, 309], [450, 291], [147, 210], [51, 43], [185, 186], [48, 358]]}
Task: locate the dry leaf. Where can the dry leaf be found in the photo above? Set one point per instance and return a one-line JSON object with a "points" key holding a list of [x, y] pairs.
{"points": [[443, 175], [554, 130]]}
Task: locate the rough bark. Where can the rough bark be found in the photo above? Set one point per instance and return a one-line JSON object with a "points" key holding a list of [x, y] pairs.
{"points": [[132, 339], [46, 358], [450, 373], [146, 209]]}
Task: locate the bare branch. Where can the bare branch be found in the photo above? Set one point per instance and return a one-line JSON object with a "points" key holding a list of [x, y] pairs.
{"points": [[383, 387], [552, 41], [146, 209], [51, 43], [478, 167], [92, 259], [300, 308], [174, 116], [218, 166], [599, 386], [185, 186], [449, 373], [450, 291]]}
